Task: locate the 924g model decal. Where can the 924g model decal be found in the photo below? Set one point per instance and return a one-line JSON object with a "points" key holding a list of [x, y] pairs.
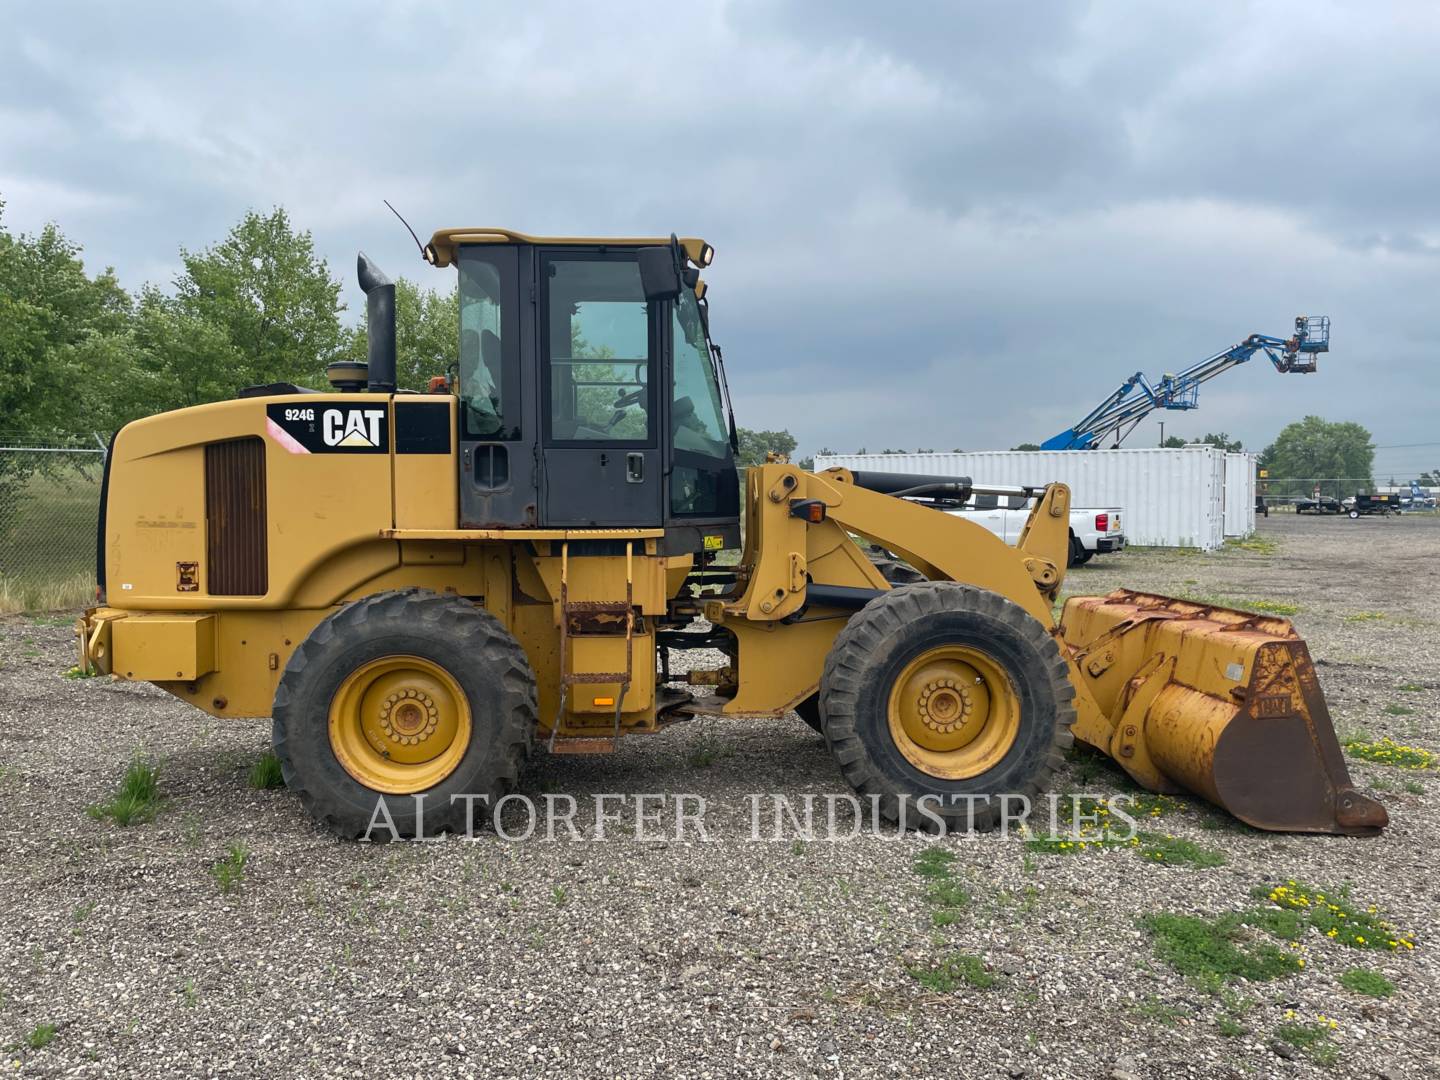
{"points": [[329, 429]]}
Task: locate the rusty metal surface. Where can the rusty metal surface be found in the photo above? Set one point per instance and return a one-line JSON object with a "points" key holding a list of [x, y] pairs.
{"points": [[1221, 703], [236, 563]]}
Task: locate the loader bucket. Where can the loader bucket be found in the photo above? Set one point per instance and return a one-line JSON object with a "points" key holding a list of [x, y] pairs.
{"points": [[1223, 704]]}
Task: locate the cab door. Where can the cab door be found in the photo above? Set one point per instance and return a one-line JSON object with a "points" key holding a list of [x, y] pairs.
{"points": [[601, 366]]}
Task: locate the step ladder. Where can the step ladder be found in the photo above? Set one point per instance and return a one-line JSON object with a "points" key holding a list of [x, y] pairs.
{"points": [[584, 612]]}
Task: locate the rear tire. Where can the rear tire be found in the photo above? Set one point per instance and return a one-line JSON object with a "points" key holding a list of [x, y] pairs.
{"points": [[1079, 553], [897, 735], [352, 706]]}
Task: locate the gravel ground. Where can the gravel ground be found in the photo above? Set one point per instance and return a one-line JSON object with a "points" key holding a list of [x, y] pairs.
{"points": [[725, 958]]}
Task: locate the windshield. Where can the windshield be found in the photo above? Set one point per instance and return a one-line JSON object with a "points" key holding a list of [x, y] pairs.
{"points": [[702, 477], [697, 415]]}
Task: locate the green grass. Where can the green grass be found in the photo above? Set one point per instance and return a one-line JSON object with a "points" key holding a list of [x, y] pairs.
{"points": [[40, 1036], [1215, 951], [1176, 851], [1229, 1027], [1273, 607], [955, 971], [1280, 922], [265, 774], [137, 800], [1369, 983], [1414, 787], [1260, 545], [1149, 804], [1160, 1012], [229, 872], [706, 752], [1412, 688], [1387, 751], [934, 863], [78, 672], [1268, 607], [1365, 616], [47, 536], [559, 896], [1398, 710], [1337, 916], [948, 894], [1311, 1039]]}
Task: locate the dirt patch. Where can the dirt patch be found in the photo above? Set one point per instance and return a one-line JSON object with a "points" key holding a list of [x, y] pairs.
{"points": [[229, 935]]}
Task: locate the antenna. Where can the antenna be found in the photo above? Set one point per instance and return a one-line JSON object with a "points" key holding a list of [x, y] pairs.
{"points": [[407, 227]]}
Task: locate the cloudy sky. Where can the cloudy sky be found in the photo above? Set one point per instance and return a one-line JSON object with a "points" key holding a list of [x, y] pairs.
{"points": [[940, 225]]}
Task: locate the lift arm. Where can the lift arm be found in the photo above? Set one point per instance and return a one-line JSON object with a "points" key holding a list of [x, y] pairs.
{"points": [[1137, 396]]}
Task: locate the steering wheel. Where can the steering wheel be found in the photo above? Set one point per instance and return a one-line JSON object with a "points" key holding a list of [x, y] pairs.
{"points": [[622, 402]]}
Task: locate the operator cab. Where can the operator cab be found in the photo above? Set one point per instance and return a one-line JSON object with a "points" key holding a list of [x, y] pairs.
{"points": [[590, 394]]}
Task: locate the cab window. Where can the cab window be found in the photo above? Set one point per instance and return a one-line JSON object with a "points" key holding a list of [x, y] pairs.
{"points": [[489, 344], [699, 433], [600, 348]]}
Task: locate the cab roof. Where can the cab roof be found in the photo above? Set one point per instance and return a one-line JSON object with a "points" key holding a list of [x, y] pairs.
{"points": [[441, 249]]}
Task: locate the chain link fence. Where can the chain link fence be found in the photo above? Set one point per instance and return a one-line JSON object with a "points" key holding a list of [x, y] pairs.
{"points": [[49, 501]]}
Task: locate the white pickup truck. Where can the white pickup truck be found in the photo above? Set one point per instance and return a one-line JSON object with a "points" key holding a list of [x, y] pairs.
{"points": [[1092, 532]]}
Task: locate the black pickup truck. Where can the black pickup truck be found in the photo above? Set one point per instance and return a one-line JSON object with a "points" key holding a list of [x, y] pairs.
{"points": [[1323, 505]]}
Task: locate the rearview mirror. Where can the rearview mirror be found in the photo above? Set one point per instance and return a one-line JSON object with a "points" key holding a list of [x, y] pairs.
{"points": [[657, 273]]}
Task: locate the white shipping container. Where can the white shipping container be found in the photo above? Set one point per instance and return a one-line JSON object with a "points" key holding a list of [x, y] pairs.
{"points": [[1239, 494], [1167, 498]]}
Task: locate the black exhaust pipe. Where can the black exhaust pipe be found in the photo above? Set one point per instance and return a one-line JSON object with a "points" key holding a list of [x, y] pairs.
{"points": [[379, 325]]}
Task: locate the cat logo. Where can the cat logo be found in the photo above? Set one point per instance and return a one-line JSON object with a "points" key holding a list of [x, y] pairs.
{"points": [[353, 427], [301, 428]]}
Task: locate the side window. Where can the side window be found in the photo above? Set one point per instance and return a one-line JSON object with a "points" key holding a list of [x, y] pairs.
{"points": [[599, 345], [489, 344], [987, 502], [1018, 502], [701, 470]]}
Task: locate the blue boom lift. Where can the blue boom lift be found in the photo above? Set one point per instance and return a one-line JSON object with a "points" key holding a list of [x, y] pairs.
{"points": [[1137, 396]]}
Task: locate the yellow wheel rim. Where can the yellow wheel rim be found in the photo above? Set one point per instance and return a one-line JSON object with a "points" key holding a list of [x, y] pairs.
{"points": [[954, 712], [399, 724]]}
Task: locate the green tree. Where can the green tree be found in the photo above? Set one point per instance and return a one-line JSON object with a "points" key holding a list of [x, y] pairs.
{"points": [[1315, 447], [1026, 446], [754, 445], [1210, 438], [427, 334], [1223, 441], [258, 307], [61, 335]]}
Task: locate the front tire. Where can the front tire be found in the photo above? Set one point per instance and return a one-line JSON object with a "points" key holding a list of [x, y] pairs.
{"points": [[949, 693], [399, 695]]}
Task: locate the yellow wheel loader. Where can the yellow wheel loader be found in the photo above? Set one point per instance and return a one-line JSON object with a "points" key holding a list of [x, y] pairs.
{"points": [[420, 587]]}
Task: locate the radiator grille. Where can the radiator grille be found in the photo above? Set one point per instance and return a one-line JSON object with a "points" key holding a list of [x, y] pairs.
{"points": [[235, 518]]}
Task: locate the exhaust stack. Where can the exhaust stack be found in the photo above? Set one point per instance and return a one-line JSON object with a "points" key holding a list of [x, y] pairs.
{"points": [[379, 325]]}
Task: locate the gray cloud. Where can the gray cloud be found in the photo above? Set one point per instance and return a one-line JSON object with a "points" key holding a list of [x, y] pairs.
{"points": [[937, 225]]}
